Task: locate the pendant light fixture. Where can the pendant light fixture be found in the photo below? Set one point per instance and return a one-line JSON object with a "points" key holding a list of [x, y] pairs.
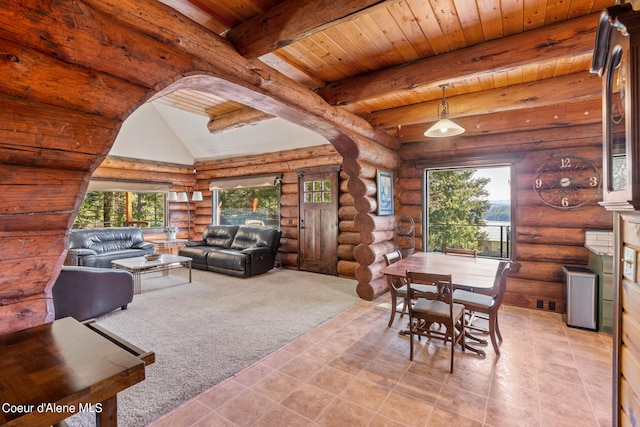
{"points": [[444, 127]]}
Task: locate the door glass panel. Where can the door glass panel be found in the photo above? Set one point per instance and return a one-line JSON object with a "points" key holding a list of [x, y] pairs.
{"points": [[317, 191]]}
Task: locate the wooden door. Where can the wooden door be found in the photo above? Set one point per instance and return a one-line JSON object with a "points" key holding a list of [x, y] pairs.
{"points": [[318, 234]]}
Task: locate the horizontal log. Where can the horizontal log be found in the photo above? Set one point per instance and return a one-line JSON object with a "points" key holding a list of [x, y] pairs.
{"points": [[367, 273], [345, 252], [36, 222], [28, 244], [372, 254], [367, 222], [289, 199], [349, 238], [346, 199], [288, 245], [550, 235], [373, 237], [288, 259], [276, 161], [25, 314], [29, 77], [289, 232], [552, 253], [516, 142], [289, 211], [347, 268], [413, 211], [542, 271], [347, 213], [361, 187], [289, 189], [410, 197], [366, 204], [409, 184], [370, 290], [343, 186], [288, 221], [587, 217], [290, 177], [545, 290], [347, 226], [357, 169]]}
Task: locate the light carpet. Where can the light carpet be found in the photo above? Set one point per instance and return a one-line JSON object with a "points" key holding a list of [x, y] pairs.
{"points": [[208, 330]]}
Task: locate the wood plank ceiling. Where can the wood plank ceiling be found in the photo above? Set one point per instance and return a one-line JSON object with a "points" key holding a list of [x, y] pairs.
{"points": [[385, 60]]}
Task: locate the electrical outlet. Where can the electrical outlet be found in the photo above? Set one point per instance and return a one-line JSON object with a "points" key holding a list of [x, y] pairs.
{"points": [[552, 305], [539, 304]]}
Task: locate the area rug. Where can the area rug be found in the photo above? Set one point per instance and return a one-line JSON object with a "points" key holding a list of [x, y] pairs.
{"points": [[206, 331]]}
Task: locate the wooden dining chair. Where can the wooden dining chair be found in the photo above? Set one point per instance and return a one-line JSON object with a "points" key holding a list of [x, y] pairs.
{"points": [[460, 251], [489, 305], [397, 286], [434, 307]]}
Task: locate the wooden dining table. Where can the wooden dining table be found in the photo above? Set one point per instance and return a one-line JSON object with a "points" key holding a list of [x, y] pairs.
{"points": [[467, 272]]}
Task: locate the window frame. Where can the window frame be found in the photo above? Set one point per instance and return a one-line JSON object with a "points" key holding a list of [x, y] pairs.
{"points": [[469, 164]]}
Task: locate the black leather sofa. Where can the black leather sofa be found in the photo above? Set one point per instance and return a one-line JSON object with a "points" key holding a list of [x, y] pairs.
{"points": [[97, 247], [87, 292], [236, 250]]}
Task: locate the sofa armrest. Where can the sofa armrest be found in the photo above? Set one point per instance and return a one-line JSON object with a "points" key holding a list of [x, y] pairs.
{"points": [[196, 243], [143, 245], [259, 251], [73, 255], [87, 292]]}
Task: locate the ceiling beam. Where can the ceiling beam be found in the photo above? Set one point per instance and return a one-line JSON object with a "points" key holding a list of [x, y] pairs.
{"points": [[549, 43], [292, 21], [236, 119], [568, 88], [549, 116]]}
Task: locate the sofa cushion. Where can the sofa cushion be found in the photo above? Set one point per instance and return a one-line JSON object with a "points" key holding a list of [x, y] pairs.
{"points": [[220, 236], [227, 259], [256, 237], [103, 240]]}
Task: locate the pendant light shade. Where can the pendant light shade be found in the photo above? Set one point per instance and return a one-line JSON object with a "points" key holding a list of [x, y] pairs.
{"points": [[444, 127]]}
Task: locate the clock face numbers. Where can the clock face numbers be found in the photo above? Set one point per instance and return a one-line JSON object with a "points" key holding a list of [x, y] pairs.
{"points": [[567, 182]]}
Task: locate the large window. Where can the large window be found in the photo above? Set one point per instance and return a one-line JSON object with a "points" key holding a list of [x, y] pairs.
{"points": [[121, 204], [247, 201], [469, 208], [109, 209]]}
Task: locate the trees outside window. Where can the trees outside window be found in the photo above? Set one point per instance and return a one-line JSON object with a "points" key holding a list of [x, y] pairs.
{"points": [[251, 206], [462, 212], [109, 209]]}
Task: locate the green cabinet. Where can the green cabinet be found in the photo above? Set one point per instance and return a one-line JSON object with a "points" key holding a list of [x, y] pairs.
{"points": [[602, 265]]}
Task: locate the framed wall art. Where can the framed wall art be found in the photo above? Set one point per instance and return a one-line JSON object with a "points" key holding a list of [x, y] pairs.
{"points": [[385, 193]]}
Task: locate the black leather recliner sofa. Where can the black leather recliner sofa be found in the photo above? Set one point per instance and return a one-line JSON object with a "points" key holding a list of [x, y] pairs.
{"points": [[97, 247], [236, 250]]}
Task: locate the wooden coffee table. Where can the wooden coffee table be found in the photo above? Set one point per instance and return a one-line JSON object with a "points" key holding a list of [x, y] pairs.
{"points": [[139, 265]]}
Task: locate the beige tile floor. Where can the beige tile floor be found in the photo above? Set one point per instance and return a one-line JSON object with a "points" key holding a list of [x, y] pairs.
{"points": [[355, 371]]}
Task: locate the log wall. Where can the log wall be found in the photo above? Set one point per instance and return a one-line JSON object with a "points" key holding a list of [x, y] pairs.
{"points": [[546, 238], [284, 162]]}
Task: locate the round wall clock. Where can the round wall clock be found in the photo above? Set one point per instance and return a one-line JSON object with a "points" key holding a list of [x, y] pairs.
{"points": [[567, 181]]}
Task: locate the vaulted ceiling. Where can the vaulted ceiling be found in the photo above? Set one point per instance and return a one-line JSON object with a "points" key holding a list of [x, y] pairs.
{"points": [[386, 61]]}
